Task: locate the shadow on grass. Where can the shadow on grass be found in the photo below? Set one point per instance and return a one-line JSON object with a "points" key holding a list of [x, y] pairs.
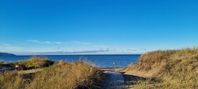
{"points": [[130, 80]]}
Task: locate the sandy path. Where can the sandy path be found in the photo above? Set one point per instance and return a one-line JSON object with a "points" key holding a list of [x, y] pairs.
{"points": [[114, 80]]}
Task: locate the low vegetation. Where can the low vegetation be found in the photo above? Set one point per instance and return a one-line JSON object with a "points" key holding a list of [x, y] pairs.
{"points": [[177, 69], [60, 75], [35, 62], [32, 63]]}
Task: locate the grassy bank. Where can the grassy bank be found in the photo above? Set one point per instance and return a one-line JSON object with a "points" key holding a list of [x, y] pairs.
{"points": [[176, 69], [32, 63], [59, 75]]}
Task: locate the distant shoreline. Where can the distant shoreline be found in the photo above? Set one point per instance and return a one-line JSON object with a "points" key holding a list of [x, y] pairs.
{"points": [[84, 55], [6, 54]]}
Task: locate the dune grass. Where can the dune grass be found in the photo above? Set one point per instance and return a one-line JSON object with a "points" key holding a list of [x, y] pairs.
{"points": [[35, 62], [61, 75], [32, 63], [178, 69]]}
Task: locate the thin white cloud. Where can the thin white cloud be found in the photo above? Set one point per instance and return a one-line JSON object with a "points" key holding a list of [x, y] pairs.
{"points": [[68, 47], [56, 42], [121, 50], [33, 41], [45, 42], [53, 50], [81, 43]]}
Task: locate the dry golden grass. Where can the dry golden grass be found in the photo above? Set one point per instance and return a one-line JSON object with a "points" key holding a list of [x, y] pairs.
{"points": [[35, 62], [61, 75], [178, 69]]}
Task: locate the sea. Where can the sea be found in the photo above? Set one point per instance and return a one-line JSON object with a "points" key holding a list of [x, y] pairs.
{"points": [[121, 60]]}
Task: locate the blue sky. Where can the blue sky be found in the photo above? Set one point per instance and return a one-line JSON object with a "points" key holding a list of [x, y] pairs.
{"points": [[109, 26]]}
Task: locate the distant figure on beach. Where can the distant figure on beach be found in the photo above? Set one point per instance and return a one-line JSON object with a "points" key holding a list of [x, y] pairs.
{"points": [[114, 64]]}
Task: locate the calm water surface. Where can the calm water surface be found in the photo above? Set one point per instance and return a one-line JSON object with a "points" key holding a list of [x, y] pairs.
{"points": [[98, 60]]}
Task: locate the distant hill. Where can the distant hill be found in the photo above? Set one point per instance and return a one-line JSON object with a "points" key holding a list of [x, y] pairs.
{"points": [[6, 54]]}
